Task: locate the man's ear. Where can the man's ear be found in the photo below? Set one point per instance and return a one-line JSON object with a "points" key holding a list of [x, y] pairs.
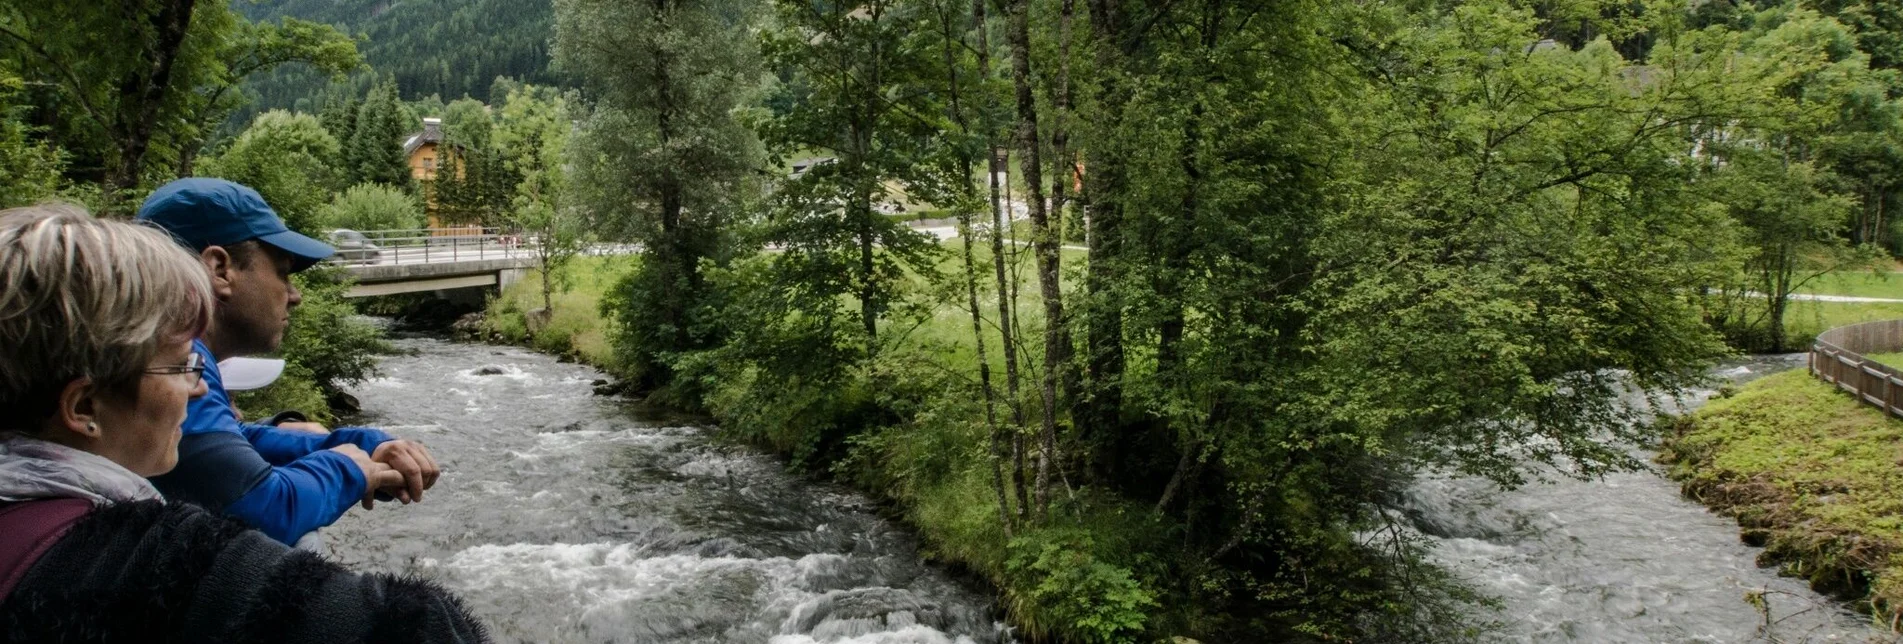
{"points": [[217, 263], [74, 421]]}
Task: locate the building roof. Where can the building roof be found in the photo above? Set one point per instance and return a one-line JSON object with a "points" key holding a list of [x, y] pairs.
{"points": [[432, 133]]}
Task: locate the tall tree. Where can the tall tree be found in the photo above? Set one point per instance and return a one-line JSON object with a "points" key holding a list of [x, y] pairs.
{"points": [[290, 159], [476, 181], [1112, 45], [663, 158], [257, 48], [1044, 238], [374, 153], [857, 91], [532, 139], [127, 67]]}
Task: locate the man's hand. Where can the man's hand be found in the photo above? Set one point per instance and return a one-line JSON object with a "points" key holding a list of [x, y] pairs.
{"points": [[304, 426], [376, 475], [414, 462]]}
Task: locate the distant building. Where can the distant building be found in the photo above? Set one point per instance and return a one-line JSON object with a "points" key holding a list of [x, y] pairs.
{"points": [[425, 152], [421, 149]]}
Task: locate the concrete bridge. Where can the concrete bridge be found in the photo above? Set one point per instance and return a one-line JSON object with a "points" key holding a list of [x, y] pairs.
{"points": [[389, 262]]}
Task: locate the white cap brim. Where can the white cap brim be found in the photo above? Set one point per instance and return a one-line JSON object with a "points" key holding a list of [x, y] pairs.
{"points": [[245, 374]]}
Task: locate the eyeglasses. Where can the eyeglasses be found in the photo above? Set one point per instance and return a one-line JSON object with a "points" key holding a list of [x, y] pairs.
{"points": [[194, 365]]}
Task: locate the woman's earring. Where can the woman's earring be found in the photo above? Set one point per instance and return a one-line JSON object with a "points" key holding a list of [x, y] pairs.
{"points": [[92, 428]]}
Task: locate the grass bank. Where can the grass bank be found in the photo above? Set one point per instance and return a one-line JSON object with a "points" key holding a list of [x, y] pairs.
{"points": [[1806, 319], [1810, 475], [573, 326]]}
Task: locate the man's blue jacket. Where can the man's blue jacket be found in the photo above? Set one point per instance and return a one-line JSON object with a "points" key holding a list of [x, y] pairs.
{"points": [[283, 482]]}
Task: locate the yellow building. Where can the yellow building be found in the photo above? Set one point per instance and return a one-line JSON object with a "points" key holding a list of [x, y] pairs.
{"points": [[425, 152], [421, 149]]}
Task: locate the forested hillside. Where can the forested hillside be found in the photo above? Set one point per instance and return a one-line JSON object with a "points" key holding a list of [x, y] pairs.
{"points": [[450, 48]]}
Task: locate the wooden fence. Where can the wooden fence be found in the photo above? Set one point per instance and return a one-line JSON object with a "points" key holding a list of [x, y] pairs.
{"points": [[1837, 357]]}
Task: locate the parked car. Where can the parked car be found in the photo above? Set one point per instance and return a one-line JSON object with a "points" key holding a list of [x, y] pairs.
{"points": [[353, 247]]}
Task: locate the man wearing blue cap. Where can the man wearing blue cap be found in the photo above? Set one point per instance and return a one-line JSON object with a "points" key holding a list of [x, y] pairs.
{"points": [[286, 483]]}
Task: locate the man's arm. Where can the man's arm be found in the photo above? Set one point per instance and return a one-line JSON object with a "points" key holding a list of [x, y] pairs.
{"points": [[280, 446], [221, 471]]}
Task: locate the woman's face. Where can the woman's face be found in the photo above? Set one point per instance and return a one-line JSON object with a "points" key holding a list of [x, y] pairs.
{"points": [[141, 433]]}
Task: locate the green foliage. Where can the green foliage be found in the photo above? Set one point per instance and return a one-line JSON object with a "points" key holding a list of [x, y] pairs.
{"points": [[477, 180], [288, 158], [374, 151], [446, 49], [1099, 602], [372, 206], [575, 326], [29, 170], [326, 339], [253, 49], [663, 159], [132, 89]]}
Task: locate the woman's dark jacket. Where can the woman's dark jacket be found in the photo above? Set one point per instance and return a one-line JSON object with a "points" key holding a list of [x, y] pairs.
{"points": [[152, 572]]}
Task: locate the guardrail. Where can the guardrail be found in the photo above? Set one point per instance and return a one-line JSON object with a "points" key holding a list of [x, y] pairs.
{"points": [[430, 245], [1837, 357], [426, 245]]}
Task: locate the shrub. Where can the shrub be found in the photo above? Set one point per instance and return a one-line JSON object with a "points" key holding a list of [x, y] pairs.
{"points": [[295, 390], [1095, 601], [372, 206], [288, 158], [327, 340]]}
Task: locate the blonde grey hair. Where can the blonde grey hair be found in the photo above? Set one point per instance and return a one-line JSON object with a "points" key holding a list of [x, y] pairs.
{"points": [[82, 297]]}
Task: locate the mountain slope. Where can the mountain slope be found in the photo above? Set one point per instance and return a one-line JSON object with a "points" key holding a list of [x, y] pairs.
{"points": [[449, 48]]}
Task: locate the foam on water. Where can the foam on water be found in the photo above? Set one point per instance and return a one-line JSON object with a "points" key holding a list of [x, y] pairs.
{"points": [[1622, 558], [568, 517]]}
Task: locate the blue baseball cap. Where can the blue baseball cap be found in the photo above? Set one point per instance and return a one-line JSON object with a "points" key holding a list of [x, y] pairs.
{"points": [[215, 212]]}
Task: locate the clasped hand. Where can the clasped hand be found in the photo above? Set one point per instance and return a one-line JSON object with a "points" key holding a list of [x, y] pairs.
{"points": [[401, 468]]}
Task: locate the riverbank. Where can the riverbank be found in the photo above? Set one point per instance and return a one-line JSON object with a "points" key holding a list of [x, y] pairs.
{"points": [[1097, 570], [1811, 476], [927, 475], [564, 516]]}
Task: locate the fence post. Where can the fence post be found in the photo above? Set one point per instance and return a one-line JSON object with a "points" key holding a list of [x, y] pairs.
{"points": [[1837, 357]]}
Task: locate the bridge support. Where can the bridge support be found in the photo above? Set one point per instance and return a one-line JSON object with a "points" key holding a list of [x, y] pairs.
{"points": [[509, 276], [422, 285]]}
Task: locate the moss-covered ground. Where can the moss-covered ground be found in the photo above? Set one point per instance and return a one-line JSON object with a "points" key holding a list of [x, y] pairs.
{"points": [[1811, 475]]}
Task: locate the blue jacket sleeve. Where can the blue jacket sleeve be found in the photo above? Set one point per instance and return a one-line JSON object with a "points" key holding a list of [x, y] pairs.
{"points": [[281, 446], [304, 495], [220, 471]]}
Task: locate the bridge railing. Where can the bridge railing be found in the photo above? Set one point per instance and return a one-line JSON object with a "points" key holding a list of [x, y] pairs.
{"points": [[428, 245], [1837, 357]]}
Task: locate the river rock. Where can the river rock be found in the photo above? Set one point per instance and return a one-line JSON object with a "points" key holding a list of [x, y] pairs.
{"points": [[343, 403], [468, 327], [843, 614], [488, 370]]}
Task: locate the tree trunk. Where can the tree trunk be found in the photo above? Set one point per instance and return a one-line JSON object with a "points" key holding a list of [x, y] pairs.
{"points": [[969, 191], [1100, 413], [141, 97], [868, 290], [1043, 240], [1006, 301], [1057, 335]]}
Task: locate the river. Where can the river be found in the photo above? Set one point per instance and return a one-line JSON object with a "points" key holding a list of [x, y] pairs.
{"points": [[1625, 558], [566, 517]]}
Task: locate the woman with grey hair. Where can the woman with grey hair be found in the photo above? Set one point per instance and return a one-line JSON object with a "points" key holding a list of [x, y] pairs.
{"points": [[96, 366]]}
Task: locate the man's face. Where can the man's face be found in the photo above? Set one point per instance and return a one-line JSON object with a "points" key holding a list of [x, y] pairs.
{"points": [[262, 296]]}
